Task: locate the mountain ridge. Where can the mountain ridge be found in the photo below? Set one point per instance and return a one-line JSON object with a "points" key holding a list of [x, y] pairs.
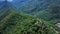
{"points": [[19, 23], [30, 6]]}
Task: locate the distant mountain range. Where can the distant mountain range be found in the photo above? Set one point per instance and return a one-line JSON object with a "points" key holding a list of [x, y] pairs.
{"points": [[28, 6]]}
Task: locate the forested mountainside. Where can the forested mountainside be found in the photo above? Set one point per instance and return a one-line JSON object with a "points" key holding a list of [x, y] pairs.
{"points": [[4, 5], [12, 22], [30, 17], [29, 6], [50, 14]]}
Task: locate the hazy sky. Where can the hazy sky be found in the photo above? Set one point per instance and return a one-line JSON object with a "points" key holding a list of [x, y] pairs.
{"points": [[7, 0], [1, 0]]}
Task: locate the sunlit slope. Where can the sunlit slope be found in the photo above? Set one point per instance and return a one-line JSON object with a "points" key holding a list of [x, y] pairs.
{"points": [[15, 20], [19, 23]]}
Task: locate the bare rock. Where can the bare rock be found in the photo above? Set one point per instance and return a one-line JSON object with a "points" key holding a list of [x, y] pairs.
{"points": [[58, 25]]}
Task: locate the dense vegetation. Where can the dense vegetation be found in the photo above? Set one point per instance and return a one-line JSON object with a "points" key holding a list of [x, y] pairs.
{"points": [[19, 23], [35, 17], [51, 14]]}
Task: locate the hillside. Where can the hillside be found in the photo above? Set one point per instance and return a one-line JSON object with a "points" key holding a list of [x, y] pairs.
{"points": [[19, 23], [31, 6], [30, 17], [28, 6], [51, 14]]}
